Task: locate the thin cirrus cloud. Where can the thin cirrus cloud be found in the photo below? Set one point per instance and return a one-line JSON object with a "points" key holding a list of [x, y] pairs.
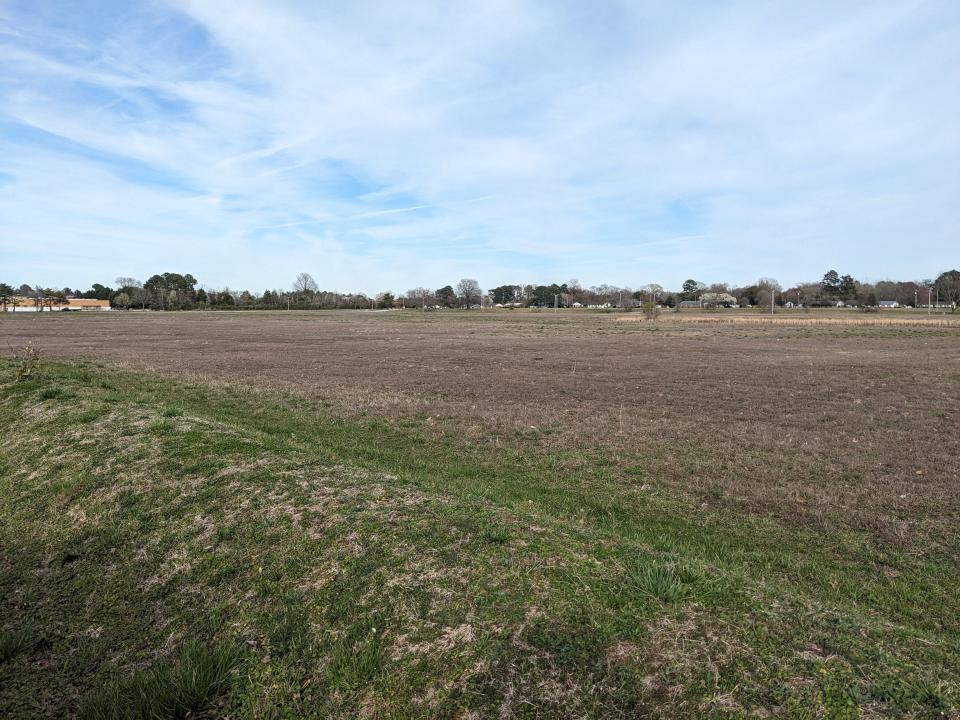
{"points": [[382, 145]]}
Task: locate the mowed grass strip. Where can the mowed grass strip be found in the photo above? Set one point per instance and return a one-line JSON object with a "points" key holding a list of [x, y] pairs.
{"points": [[173, 548]]}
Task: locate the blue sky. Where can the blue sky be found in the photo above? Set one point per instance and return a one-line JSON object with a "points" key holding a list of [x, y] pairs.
{"points": [[384, 145]]}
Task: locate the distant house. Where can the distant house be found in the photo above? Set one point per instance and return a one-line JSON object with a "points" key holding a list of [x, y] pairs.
{"points": [[691, 304], [888, 304]]}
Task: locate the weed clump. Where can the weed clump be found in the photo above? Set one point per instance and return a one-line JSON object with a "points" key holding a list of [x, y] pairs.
{"points": [[171, 689], [28, 363], [663, 583], [13, 642], [495, 535]]}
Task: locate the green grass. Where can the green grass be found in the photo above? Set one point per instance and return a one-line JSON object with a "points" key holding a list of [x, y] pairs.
{"points": [[183, 549]]}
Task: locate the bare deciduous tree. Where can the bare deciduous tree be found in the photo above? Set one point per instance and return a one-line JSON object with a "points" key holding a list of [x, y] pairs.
{"points": [[767, 291], [133, 290], [305, 284], [419, 297], [469, 291]]}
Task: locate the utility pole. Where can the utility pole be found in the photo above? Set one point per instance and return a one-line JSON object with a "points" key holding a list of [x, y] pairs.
{"points": [[929, 293]]}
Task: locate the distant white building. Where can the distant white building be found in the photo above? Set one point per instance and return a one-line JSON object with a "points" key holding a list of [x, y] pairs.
{"points": [[888, 304]]}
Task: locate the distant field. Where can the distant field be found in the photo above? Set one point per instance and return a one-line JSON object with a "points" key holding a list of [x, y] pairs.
{"points": [[482, 514]]}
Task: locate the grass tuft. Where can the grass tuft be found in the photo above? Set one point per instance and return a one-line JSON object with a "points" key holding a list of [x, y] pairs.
{"points": [[289, 627], [914, 692], [666, 583], [495, 535], [160, 426], [359, 658], [13, 642], [171, 689]]}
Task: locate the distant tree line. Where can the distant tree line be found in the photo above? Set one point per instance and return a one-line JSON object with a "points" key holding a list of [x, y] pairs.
{"points": [[834, 289], [173, 291]]}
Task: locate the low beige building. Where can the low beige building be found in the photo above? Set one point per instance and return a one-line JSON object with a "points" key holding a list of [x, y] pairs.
{"points": [[26, 304], [84, 304]]}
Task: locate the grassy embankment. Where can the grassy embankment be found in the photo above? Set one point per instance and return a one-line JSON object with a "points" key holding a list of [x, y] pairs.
{"points": [[169, 546]]}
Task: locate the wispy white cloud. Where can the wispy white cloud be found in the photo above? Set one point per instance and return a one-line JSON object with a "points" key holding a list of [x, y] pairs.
{"points": [[360, 216], [379, 145]]}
